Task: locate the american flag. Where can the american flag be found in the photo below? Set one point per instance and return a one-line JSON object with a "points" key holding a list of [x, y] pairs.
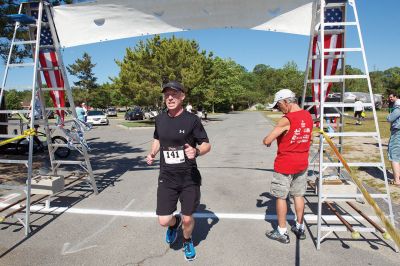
{"points": [[330, 64], [48, 59]]}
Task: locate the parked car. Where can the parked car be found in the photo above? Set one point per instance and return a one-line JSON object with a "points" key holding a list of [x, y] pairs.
{"points": [[150, 114], [97, 118], [327, 110], [121, 109], [134, 114], [349, 97], [111, 111]]}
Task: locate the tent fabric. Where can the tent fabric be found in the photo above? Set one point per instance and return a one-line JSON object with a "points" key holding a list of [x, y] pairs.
{"points": [[104, 20]]}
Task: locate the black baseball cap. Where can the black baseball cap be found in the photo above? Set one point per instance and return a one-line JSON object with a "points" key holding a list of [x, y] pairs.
{"points": [[175, 85]]}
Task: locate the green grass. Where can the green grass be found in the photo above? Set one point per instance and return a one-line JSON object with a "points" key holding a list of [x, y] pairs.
{"points": [[138, 124], [368, 125]]}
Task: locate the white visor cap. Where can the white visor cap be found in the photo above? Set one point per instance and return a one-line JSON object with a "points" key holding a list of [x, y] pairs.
{"points": [[281, 95]]}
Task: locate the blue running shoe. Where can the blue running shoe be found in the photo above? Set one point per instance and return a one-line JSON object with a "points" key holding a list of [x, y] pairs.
{"points": [[172, 231], [190, 252]]}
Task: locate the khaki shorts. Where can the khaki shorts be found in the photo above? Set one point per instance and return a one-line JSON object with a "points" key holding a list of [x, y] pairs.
{"points": [[282, 184]]}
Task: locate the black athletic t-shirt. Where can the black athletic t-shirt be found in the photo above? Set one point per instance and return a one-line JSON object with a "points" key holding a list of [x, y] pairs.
{"points": [[173, 133]]}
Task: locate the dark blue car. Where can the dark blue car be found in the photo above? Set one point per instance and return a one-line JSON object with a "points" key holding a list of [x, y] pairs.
{"points": [[134, 114]]}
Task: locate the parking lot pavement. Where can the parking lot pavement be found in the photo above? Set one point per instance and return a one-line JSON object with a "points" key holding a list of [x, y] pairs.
{"points": [[118, 226]]}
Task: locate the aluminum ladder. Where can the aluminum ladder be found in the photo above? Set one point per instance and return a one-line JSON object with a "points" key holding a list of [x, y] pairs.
{"points": [[320, 28], [33, 17]]}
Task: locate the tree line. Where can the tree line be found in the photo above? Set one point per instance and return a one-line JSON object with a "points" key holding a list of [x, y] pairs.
{"points": [[214, 83]]}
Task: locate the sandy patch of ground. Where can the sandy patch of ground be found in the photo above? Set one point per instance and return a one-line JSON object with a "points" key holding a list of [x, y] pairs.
{"points": [[16, 174], [365, 149]]}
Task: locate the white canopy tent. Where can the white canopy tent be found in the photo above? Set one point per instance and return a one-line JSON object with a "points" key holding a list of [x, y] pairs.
{"points": [[105, 20]]}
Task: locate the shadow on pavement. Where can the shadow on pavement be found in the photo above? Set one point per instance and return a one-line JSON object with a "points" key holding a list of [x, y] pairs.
{"points": [[269, 203], [40, 219], [203, 225], [111, 157], [111, 160], [213, 119], [312, 204], [376, 173], [205, 220]]}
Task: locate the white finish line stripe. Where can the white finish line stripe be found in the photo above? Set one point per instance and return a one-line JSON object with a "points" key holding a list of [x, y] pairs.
{"points": [[201, 215]]}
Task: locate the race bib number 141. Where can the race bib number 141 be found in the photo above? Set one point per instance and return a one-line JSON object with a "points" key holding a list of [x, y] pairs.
{"points": [[174, 155]]}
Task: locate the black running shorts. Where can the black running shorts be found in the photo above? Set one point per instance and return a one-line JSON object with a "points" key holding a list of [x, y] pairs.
{"points": [[169, 192], [357, 114]]}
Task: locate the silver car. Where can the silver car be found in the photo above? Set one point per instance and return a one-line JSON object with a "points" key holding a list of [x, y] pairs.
{"points": [[97, 118], [111, 111], [350, 97]]}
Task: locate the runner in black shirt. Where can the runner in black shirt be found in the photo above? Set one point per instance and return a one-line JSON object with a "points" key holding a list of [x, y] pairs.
{"points": [[176, 136]]}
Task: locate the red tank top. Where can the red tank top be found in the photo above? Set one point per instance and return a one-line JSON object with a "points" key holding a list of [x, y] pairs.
{"points": [[293, 147]]}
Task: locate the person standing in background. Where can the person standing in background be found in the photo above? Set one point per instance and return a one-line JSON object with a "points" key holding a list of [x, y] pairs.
{"points": [[358, 109], [394, 142], [189, 107], [392, 98], [200, 111], [85, 110], [80, 112]]}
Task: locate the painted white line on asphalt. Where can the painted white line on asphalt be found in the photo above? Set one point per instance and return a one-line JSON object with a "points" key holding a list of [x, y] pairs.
{"points": [[202, 215]]}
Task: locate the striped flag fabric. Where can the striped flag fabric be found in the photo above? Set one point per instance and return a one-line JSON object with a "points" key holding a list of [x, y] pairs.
{"points": [[330, 64], [48, 60]]}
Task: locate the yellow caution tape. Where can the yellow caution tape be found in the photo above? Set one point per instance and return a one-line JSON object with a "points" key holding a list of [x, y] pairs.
{"points": [[27, 133], [393, 232]]}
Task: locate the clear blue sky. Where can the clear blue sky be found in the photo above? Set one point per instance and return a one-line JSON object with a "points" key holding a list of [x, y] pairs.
{"points": [[379, 23]]}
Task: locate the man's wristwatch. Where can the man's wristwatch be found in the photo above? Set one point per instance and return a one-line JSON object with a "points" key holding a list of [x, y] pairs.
{"points": [[197, 153]]}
